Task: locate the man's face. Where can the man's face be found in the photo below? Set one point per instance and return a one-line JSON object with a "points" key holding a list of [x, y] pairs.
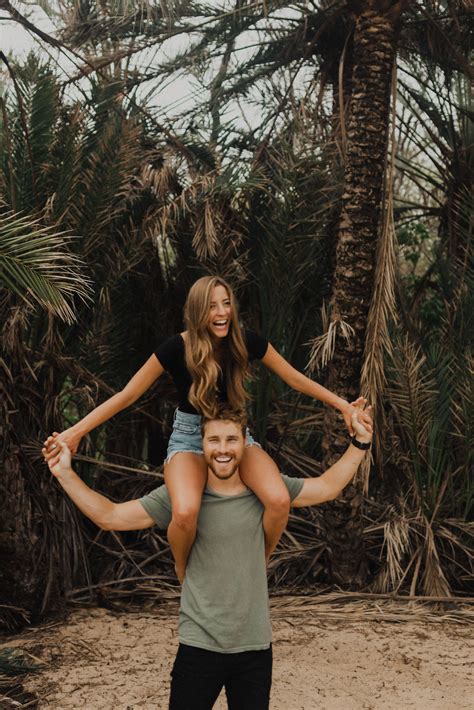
{"points": [[223, 444]]}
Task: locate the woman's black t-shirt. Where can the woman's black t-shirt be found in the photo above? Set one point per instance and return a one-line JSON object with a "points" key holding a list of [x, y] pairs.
{"points": [[172, 357]]}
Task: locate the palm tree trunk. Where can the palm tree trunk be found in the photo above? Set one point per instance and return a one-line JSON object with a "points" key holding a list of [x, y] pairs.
{"points": [[374, 52]]}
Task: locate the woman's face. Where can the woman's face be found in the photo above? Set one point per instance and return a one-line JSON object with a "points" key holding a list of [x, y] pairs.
{"points": [[220, 312]]}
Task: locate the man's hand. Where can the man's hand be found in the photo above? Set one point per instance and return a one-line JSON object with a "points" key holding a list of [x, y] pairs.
{"points": [[57, 455], [102, 511], [71, 437], [362, 429], [356, 408], [332, 482]]}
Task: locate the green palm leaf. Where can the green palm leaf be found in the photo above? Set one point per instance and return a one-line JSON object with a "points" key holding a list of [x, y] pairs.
{"points": [[36, 265]]}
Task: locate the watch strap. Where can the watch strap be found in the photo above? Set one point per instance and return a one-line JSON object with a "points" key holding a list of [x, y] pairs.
{"points": [[364, 446]]}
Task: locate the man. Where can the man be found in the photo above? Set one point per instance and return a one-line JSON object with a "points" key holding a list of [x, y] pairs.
{"points": [[224, 623]]}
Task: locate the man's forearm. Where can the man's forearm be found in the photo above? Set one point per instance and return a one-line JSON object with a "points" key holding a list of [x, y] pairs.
{"points": [[95, 506], [333, 481], [343, 471]]}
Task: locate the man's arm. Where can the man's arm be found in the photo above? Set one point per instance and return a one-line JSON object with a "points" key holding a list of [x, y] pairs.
{"points": [[335, 479], [102, 511]]}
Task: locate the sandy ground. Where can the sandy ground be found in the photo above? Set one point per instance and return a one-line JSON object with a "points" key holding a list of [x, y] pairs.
{"points": [[103, 661]]}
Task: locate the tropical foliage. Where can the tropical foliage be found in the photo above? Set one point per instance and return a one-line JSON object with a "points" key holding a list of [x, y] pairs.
{"points": [[112, 204]]}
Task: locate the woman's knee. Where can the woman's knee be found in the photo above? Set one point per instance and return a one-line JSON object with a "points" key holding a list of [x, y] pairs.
{"points": [[185, 517], [278, 502]]}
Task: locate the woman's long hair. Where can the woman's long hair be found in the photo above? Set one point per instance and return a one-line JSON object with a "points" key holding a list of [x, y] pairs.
{"points": [[199, 353]]}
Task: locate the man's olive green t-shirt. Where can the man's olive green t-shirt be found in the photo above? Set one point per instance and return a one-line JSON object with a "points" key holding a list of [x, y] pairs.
{"points": [[224, 600]]}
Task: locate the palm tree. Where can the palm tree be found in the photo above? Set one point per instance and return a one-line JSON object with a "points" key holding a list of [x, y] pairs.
{"points": [[90, 171], [376, 33]]}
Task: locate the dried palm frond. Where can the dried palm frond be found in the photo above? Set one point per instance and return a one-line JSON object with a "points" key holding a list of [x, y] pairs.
{"points": [[434, 579], [397, 547], [421, 556], [13, 695], [323, 346], [355, 606], [11, 617], [15, 661], [412, 395]]}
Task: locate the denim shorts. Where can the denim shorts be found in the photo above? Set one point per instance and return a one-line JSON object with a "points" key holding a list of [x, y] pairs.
{"points": [[186, 435]]}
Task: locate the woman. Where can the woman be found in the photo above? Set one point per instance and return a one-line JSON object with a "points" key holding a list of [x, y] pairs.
{"points": [[208, 362]]}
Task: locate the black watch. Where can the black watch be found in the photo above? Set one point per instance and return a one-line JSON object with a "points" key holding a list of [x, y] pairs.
{"points": [[360, 444]]}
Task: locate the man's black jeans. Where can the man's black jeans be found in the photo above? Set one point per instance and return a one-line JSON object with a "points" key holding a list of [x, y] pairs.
{"points": [[198, 677]]}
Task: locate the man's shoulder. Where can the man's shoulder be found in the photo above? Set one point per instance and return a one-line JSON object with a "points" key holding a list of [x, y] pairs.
{"points": [[293, 485], [157, 503]]}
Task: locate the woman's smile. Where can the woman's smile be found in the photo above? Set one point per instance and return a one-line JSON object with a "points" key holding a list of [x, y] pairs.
{"points": [[220, 312]]}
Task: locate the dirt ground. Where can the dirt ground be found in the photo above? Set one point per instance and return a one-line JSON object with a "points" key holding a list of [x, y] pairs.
{"points": [[104, 661]]}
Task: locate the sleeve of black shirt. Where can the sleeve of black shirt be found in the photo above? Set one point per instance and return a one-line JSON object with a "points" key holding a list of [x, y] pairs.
{"points": [[256, 345], [168, 353]]}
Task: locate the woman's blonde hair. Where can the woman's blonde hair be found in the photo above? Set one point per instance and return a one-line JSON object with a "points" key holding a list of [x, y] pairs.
{"points": [[199, 352]]}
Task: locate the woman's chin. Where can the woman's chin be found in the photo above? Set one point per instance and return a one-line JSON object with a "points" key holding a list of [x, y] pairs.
{"points": [[219, 335]]}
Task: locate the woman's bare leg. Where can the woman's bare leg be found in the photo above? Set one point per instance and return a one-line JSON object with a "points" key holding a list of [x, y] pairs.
{"points": [[185, 478], [260, 473]]}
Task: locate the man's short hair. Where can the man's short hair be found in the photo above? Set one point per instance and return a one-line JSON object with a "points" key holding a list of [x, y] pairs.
{"points": [[224, 413]]}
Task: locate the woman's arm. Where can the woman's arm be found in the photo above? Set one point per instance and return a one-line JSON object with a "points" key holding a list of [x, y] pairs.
{"points": [[139, 383], [299, 382]]}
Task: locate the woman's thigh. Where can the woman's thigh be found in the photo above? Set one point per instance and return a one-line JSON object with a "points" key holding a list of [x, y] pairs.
{"points": [[185, 478], [260, 473]]}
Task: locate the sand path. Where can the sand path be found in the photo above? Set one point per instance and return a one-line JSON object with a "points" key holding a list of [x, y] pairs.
{"points": [[103, 661]]}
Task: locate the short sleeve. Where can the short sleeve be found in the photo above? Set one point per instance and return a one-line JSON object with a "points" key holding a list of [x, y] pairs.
{"points": [[158, 505], [169, 352], [256, 345], [294, 486]]}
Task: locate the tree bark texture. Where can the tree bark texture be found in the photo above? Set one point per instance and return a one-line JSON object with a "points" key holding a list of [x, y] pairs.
{"points": [[374, 52]]}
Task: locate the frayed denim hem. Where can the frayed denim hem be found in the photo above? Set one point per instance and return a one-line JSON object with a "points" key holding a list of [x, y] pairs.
{"points": [[200, 453], [182, 451]]}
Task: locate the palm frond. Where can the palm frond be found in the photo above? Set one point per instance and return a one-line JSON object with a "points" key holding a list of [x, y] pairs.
{"points": [[412, 395], [434, 579], [323, 346], [36, 265]]}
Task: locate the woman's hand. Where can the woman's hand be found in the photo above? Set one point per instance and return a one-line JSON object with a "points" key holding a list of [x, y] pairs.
{"points": [[57, 456], [356, 408], [71, 437], [363, 430]]}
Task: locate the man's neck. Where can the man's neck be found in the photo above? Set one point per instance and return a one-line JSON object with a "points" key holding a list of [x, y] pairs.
{"points": [[227, 487]]}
